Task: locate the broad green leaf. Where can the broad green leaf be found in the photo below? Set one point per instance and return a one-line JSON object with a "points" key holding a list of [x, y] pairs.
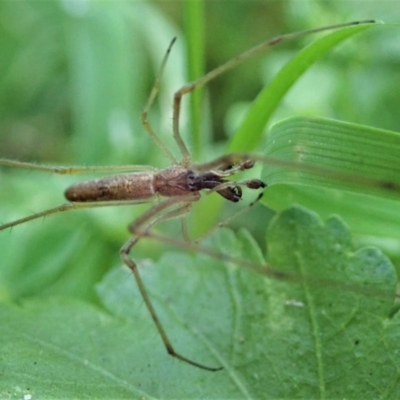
{"points": [[274, 339], [348, 169], [338, 349]]}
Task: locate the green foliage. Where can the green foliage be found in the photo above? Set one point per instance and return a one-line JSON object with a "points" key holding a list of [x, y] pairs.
{"points": [[274, 339], [73, 92]]}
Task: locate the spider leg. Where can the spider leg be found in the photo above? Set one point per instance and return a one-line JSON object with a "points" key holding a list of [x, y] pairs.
{"points": [[165, 210]]}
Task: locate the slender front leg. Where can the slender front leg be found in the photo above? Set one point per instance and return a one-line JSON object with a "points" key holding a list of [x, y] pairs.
{"points": [[232, 63]]}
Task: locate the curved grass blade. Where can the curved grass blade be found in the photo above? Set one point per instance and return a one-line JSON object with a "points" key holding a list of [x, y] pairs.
{"points": [[250, 133]]}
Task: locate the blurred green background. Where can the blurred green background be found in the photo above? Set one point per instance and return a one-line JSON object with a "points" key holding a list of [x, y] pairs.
{"points": [[75, 75]]}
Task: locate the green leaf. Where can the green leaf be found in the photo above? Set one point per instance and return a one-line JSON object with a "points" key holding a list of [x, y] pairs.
{"points": [[336, 167], [339, 348], [274, 339]]}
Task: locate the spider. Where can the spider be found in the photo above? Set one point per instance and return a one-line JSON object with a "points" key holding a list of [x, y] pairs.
{"points": [[175, 188]]}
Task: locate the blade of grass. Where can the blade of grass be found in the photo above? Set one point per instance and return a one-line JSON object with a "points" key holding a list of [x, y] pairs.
{"points": [[340, 148], [250, 133]]}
